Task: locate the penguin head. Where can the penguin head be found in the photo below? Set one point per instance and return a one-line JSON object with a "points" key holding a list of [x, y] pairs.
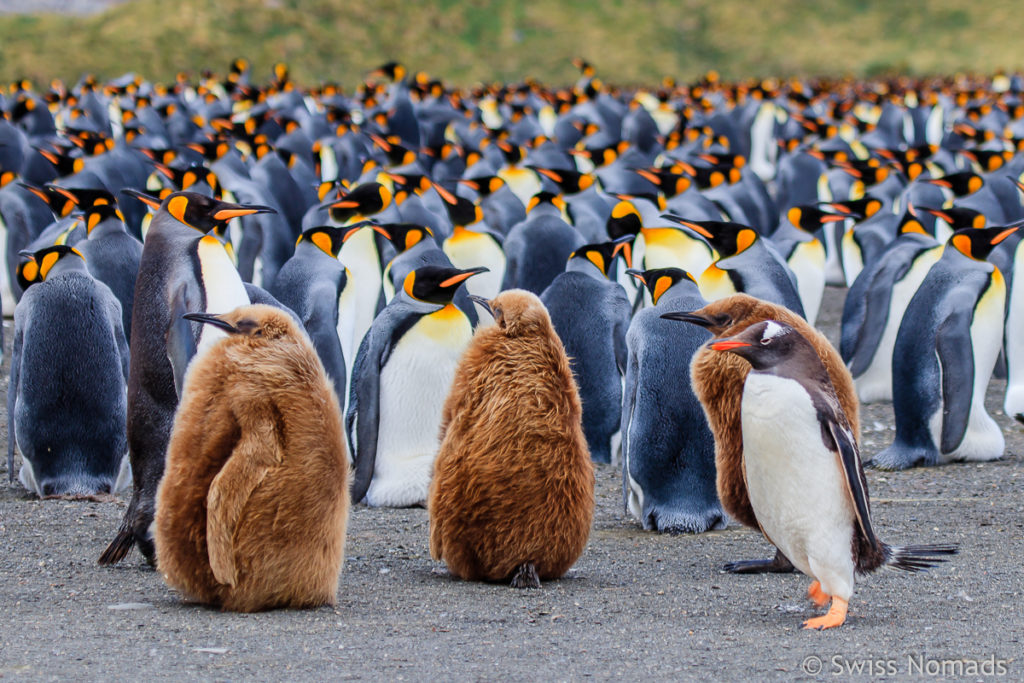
{"points": [[99, 213], [437, 284], [206, 213], [811, 219], [517, 312], [257, 323], [978, 244], [764, 345], [363, 200], [569, 182], [668, 182], [41, 262], [957, 216], [404, 236], [961, 184], [60, 204], [865, 207], [727, 238], [327, 238], [624, 220], [660, 280], [602, 255], [463, 212], [350, 230], [484, 185], [84, 198], [546, 198], [392, 71]]}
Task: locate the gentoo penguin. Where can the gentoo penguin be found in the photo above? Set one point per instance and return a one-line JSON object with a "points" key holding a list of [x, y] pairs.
{"points": [[717, 381], [803, 470], [668, 451], [512, 497], [252, 509], [402, 373], [590, 313], [313, 283], [65, 400], [945, 351], [182, 270], [746, 263]]}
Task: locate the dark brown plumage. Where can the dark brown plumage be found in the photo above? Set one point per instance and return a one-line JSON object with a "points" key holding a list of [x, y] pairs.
{"points": [[252, 508], [718, 382], [513, 484]]}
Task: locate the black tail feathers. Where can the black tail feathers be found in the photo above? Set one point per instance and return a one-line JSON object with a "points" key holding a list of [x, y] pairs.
{"points": [[119, 547], [916, 558]]}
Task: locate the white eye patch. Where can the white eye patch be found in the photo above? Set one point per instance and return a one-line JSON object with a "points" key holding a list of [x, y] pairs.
{"points": [[772, 330]]}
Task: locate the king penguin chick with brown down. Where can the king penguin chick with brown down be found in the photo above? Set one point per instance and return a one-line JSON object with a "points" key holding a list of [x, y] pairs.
{"points": [[512, 496], [718, 382], [252, 509], [803, 470]]}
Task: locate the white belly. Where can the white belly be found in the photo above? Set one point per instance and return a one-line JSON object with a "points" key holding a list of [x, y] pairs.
{"points": [[875, 383], [808, 265], [413, 388], [983, 439], [1013, 404], [6, 295], [359, 255], [796, 486], [223, 286]]}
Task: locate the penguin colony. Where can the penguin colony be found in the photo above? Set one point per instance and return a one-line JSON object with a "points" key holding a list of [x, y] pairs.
{"points": [[386, 223]]}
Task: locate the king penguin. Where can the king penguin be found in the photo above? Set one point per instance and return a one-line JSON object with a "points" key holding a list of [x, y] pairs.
{"points": [[591, 314], [182, 270], [402, 373], [803, 468], [65, 415], [946, 349], [668, 451]]}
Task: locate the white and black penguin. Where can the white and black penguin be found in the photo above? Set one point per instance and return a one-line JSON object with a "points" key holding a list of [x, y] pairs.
{"points": [[668, 450], [946, 349], [591, 313], [803, 470], [182, 270], [67, 417], [402, 373]]}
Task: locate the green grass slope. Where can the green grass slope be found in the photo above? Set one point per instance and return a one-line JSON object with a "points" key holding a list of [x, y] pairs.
{"points": [[465, 41]]}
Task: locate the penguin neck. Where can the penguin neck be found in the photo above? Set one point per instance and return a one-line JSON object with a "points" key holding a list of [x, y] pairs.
{"points": [[683, 292], [111, 226], [418, 305], [67, 264], [585, 266]]}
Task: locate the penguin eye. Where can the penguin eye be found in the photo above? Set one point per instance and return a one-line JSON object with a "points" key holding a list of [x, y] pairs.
{"points": [[765, 341]]}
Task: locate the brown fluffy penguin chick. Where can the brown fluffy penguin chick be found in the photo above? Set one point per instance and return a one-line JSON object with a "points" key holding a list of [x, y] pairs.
{"points": [[252, 508], [512, 496], [718, 380]]}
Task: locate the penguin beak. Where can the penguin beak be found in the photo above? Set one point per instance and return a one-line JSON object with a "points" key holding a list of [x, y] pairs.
{"points": [[210, 319], [685, 317], [148, 200], [454, 280], [639, 275], [700, 230], [1003, 235], [445, 194], [25, 253], [625, 245], [230, 211], [483, 302], [729, 345]]}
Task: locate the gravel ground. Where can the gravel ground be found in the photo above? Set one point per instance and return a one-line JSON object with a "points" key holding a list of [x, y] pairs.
{"points": [[637, 604]]}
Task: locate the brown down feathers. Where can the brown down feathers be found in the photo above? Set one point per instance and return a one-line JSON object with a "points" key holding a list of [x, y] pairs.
{"points": [[718, 382], [513, 482], [252, 509]]}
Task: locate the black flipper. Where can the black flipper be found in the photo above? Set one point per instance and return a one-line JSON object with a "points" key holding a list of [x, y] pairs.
{"points": [[779, 564], [956, 358], [181, 340]]}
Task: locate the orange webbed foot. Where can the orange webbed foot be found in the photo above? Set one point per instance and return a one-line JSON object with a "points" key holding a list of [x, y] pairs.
{"points": [[836, 616], [817, 596]]}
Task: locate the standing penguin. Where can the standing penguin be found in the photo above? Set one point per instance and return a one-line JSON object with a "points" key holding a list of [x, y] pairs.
{"points": [[718, 380], [803, 470], [65, 415], [182, 270], [668, 451], [512, 496], [591, 313], [945, 351], [313, 283], [252, 510], [401, 375]]}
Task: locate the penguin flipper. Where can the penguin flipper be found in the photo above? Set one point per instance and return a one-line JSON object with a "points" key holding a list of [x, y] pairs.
{"points": [[956, 358], [321, 323], [12, 395], [258, 450], [875, 316], [844, 445], [181, 342]]}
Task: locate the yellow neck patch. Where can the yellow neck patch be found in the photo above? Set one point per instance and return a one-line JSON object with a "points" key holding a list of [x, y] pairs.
{"points": [[744, 239], [176, 207], [660, 287], [322, 241], [962, 243]]}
